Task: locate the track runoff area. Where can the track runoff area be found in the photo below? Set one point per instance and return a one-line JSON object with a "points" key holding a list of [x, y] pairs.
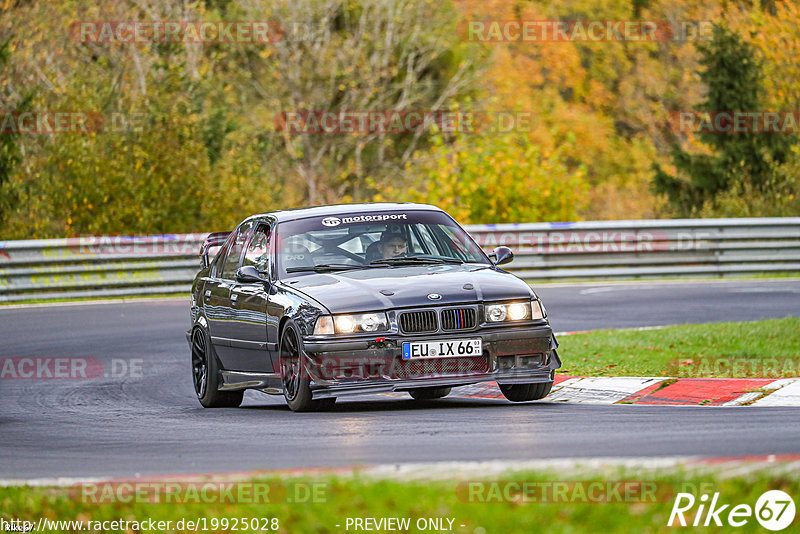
{"points": [[631, 490]]}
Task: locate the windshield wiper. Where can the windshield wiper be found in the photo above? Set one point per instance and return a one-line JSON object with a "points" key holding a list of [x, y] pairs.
{"points": [[328, 267], [413, 260]]}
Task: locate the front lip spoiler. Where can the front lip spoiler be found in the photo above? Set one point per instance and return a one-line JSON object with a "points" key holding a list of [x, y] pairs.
{"points": [[270, 383], [342, 389]]}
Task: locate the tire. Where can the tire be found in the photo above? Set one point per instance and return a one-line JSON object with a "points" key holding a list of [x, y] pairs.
{"points": [[295, 380], [526, 392], [205, 375], [429, 393]]}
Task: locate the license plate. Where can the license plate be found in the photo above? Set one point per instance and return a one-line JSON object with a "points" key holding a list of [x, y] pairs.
{"points": [[442, 349]]}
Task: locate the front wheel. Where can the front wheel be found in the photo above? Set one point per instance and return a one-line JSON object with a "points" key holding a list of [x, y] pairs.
{"points": [[295, 378], [526, 392]]}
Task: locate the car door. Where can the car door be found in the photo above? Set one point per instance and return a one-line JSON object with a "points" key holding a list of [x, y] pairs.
{"points": [[216, 292], [249, 305], [217, 295]]}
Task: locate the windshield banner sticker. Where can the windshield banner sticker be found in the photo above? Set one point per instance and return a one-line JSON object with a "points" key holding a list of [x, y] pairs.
{"points": [[336, 221]]}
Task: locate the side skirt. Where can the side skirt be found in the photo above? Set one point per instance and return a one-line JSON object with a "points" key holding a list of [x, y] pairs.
{"points": [[236, 380]]}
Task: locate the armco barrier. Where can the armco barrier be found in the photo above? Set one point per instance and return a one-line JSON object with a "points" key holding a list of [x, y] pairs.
{"points": [[103, 266], [117, 265]]}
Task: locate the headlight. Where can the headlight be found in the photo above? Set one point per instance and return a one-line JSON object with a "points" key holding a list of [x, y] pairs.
{"points": [[496, 313], [513, 311], [350, 324], [344, 324], [518, 311]]}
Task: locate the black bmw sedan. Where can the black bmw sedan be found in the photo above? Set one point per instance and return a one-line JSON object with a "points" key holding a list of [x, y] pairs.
{"points": [[319, 303]]}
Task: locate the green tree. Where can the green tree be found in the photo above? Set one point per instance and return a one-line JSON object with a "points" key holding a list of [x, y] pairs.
{"points": [[491, 177], [738, 161], [9, 149]]}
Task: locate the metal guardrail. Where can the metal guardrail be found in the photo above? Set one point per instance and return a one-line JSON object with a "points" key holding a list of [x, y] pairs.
{"points": [[648, 248], [119, 265], [103, 266]]}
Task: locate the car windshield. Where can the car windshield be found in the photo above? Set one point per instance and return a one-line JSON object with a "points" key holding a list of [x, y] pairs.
{"points": [[360, 241]]}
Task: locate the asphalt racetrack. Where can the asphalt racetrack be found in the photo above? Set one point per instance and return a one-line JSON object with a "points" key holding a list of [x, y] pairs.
{"points": [[152, 424]]}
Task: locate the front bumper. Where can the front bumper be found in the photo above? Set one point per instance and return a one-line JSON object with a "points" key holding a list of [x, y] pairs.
{"points": [[511, 355]]}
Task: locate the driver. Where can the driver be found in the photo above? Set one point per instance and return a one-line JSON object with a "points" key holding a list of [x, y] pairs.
{"points": [[392, 245]]}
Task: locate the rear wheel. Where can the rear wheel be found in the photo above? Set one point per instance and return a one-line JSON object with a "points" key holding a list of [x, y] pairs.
{"points": [[526, 392], [429, 393], [296, 383], [205, 375]]}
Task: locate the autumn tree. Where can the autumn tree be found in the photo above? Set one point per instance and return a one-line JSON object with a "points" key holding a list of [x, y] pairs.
{"points": [[9, 151], [741, 160], [15, 98], [498, 176], [364, 56], [173, 153]]}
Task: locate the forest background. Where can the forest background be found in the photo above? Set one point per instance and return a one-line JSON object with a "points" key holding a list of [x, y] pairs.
{"points": [[190, 140]]}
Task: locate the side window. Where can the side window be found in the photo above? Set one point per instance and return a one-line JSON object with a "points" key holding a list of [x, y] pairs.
{"points": [[257, 253], [219, 259], [231, 261]]}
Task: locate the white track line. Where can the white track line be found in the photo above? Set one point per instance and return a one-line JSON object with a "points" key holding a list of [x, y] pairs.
{"points": [[769, 388], [564, 467], [405, 471], [786, 393]]}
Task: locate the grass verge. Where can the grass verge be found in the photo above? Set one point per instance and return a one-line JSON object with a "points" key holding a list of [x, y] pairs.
{"points": [[763, 349], [518, 502]]}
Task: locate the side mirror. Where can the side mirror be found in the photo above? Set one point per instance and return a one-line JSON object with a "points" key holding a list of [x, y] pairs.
{"points": [[502, 255], [249, 275]]}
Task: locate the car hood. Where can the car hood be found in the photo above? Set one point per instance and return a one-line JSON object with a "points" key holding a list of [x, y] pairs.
{"points": [[400, 287]]}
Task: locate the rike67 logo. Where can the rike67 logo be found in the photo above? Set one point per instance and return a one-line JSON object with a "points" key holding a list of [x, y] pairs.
{"points": [[774, 510]]}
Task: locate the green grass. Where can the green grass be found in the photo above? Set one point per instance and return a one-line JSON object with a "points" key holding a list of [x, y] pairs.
{"points": [[768, 349], [359, 497]]}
